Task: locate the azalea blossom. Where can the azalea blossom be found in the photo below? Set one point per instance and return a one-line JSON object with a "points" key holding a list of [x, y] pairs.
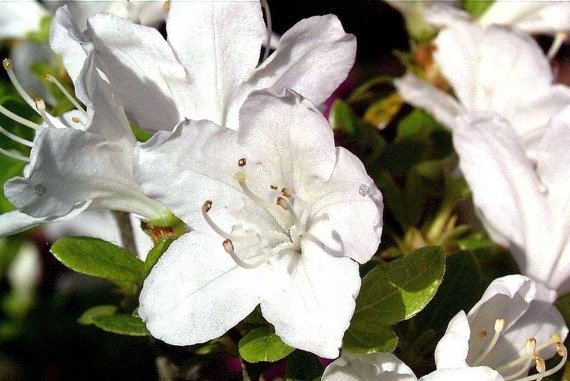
{"points": [[280, 217], [82, 160], [209, 63], [523, 202], [511, 329], [490, 70]]}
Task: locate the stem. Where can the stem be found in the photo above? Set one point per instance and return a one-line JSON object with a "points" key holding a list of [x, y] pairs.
{"points": [[126, 229]]}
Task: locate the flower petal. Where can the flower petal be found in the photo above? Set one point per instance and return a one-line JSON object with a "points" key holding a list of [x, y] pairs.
{"points": [[17, 18], [147, 76], [349, 206], [464, 374], [452, 349], [15, 222], [219, 44], [73, 169], [504, 185], [368, 367], [420, 94], [532, 17], [311, 300], [196, 292]]}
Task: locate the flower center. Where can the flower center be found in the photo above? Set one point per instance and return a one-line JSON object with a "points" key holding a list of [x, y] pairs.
{"points": [[38, 105], [264, 244], [516, 369]]}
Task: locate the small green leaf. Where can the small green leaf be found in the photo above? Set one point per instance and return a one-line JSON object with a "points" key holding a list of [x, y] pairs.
{"points": [[93, 313], [418, 122], [303, 366], [398, 290], [262, 344], [401, 156], [99, 258], [477, 7], [154, 255], [106, 318], [367, 338]]}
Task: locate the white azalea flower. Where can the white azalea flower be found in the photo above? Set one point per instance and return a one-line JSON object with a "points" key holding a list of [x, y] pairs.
{"points": [[493, 70], [512, 328], [78, 161], [524, 203], [18, 18], [209, 64], [280, 218], [544, 17]]}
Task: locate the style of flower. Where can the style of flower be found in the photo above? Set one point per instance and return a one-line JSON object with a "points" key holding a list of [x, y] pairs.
{"points": [[277, 221], [209, 63], [82, 160], [523, 202], [511, 329], [491, 70]]}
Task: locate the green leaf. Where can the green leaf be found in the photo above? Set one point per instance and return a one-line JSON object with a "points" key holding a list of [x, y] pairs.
{"points": [[417, 122], [477, 7], [365, 338], [341, 117], [392, 292], [563, 305], [262, 344], [154, 255], [106, 318], [401, 156], [398, 290], [303, 366], [99, 258]]}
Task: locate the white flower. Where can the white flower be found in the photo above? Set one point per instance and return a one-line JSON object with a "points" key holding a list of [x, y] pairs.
{"points": [[25, 271], [512, 328], [18, 18], [540, 17], [493, 70], [524, 203], [209, 64], [82, 160], [387, 367], [277, 220]]}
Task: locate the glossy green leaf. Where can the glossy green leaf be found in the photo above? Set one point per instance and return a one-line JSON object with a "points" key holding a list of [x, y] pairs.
{"points": [[106, 318], [303, 366], [362, 337], [477, 7], [99, 258], [398, 290], [262, 344]]}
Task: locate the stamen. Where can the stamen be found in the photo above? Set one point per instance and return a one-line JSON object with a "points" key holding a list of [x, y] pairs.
{"points": [[41, 106], [273, 186], [265, 7], [282, 202], [14, 155], [52, 79], [166, 6], [540, 364], [8, 65], [499, 326], [205, 209], [75, 119], [242, 162], [539, 361], [15, 138], [286, 192], [557, 43], [229, 248], [17, 118]]}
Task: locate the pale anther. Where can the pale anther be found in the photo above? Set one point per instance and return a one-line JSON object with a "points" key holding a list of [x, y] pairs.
{"points": [[540, 364], [75, 119], [530, 346], [282, 203], [286, 192], [166, 6], [228, 246], [499, 325], [273, 186], [242, 162], [561, 349], [207, 206], [7, 63]]}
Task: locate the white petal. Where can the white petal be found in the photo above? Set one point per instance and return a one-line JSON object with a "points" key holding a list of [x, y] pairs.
{"points": [[147, 76], [368, 367], [526, 306], [480, 373], [219, 44], [67, 40], [441, 14], [303, 51], [452, 349], [346, 211], [532, 17], [73, 169], [196, 292], [288, 139], [420, 94], [15, 222], [504, 185], [311, 300], [18, 18], [185, 168]]}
